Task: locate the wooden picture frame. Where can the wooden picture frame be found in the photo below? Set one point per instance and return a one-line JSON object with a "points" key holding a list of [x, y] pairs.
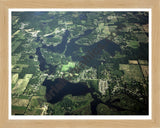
{"points": [[4, 71]]}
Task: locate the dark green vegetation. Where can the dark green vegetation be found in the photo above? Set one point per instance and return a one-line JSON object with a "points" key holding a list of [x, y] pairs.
{"points": [[80, 63]]}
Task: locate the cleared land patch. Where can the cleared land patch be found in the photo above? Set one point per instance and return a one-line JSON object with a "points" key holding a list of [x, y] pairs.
{"points": [[20, 102], [144, 62], [14, 78], [69, 65], [133, 44], [18, 110], [131, 72], [133, 62], [145, 71], [22, 84], [28, 76], [15, 33]]}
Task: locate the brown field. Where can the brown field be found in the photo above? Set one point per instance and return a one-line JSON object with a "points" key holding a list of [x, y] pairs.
{"points": [[145, 71], [133, 62], [145, 27], [20, 102], [144, 62]]}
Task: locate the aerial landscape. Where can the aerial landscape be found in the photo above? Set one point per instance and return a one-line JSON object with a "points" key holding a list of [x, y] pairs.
{"points": [[80, 63]]}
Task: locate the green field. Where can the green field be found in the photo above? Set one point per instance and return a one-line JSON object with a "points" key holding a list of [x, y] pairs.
{"points": [[133, 44], [14, 78], [22, 84], [18, 110], [68, 66]]}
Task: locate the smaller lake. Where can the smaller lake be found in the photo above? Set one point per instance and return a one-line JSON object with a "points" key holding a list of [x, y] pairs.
{"points": [[43, 64]]}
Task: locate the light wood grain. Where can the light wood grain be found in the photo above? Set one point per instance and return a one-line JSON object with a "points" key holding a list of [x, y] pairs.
{"points": [[6, 4]]}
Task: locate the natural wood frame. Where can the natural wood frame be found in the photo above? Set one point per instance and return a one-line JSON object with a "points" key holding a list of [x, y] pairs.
{"points": [[6, 4]]}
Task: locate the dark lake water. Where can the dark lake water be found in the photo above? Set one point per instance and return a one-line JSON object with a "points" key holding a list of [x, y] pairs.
{"points": [[107, 45], [60, 47], [43, 64], [83, 16], [57, 89], [30, 57]]}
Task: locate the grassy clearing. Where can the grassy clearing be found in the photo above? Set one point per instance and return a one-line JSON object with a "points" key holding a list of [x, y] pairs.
{"points": [[20, 86], [18, 40], [133, 44], [131, 72], [15, 58], [14, 78], [36, 101], [23, 97], [68, 66], [20, 102], [41, 91], [15, 33], [18, 110], [28, 76], [103, 29]]}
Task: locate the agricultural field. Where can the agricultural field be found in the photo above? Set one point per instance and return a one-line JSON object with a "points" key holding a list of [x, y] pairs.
{"points": [[21, 84], [131, 72], [35, 106]]}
